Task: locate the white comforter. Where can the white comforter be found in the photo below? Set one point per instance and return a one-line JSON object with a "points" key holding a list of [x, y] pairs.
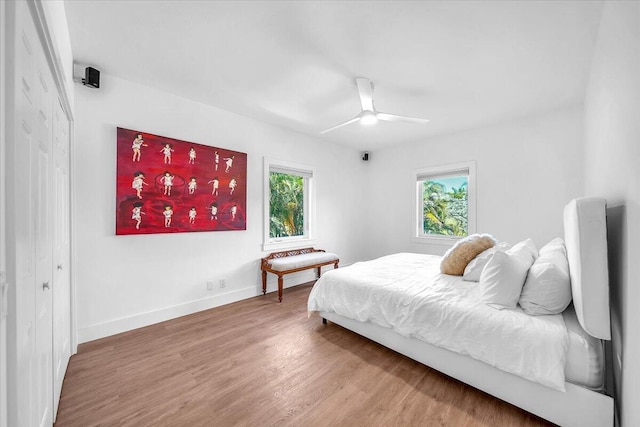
{"points": [[408, 293]]}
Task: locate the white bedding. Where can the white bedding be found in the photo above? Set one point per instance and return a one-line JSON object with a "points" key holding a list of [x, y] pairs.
{"points": [[406, 292]]}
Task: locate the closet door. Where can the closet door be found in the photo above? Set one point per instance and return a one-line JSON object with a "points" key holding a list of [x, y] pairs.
{"points": [[30, 182], [4, 301], [20, 214], [37, 220], [43, 213], [61, 252]]}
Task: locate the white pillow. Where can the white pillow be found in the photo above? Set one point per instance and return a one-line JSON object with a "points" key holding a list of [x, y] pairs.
{"points": [[525, 251], [502, 279], [473, 270], [547, 289], [553, 245]]}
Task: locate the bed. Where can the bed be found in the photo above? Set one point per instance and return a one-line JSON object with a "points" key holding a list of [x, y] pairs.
{"points": [[558, 373]]}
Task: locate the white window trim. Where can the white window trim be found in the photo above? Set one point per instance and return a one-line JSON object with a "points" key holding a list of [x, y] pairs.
{"points": [[416, 220], [308, 239]]}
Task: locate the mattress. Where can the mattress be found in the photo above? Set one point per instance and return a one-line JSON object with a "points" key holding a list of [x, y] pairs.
{"points": [[407, 293], [585, 355]]}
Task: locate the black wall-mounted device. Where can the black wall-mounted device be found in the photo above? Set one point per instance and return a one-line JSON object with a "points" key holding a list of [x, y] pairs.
{"points": [[91, 77]]}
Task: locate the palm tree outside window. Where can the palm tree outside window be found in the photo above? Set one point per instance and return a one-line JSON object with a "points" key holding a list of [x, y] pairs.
{"points": [[289, 205], [286, 205], [445, 201]]}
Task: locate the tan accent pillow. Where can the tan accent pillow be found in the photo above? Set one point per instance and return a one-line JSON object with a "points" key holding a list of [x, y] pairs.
{"points": [[456, 259]]}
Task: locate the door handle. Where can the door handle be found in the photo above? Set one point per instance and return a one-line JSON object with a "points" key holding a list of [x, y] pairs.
{"points": [[45, 285]]}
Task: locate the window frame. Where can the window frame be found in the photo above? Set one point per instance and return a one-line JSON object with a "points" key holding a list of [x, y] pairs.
{"points": [[309, 198], [417, 234]]}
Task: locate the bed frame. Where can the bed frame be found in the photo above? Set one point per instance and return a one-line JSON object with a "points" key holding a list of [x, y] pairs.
{"points": [[585, 238]]}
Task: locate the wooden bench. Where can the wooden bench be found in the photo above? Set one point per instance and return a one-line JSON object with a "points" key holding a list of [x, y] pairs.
{"points": [[285, 262]]}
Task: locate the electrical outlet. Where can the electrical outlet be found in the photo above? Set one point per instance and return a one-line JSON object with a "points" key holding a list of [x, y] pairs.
{"points": [[209, 286], [223, 283]]}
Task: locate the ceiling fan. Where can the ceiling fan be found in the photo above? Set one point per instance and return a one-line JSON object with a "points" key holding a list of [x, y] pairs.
{"points": [[369, 115]]}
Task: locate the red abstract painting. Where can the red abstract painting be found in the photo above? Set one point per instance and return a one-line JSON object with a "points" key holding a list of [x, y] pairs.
{"points": [[165, 185]]}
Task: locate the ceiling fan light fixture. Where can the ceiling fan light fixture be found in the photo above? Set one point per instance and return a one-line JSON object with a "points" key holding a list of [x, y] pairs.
{"points": [[368, 118], [368, 115]]}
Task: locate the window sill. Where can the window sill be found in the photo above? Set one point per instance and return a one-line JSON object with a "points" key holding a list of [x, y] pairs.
{"points": [[288, 244], [435, 240]]}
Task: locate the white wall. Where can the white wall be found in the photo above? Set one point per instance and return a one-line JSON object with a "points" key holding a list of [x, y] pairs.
{"points": [[125, 282], [612, 153], [527, 170]]}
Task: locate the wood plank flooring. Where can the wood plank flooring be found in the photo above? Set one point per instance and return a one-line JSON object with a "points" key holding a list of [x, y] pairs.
{"points": [[261, 363]]}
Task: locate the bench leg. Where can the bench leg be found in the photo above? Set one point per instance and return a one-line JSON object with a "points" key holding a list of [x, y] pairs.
{"points": [[324, 321], [335, 265], [280, 286], [318, 275], [264, 283]]}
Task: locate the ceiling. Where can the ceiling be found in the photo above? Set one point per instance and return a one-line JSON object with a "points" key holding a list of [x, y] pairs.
{"points": [[461, 64]]}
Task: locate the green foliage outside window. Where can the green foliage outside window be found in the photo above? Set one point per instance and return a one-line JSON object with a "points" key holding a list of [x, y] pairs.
{"points": [[286, 205], [445, 207]]}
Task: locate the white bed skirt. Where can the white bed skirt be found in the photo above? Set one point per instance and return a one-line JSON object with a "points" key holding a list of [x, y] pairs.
{"points": [[577, 406]]}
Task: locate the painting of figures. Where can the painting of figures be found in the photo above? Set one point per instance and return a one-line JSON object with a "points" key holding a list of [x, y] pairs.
{"points": [[166, 185]]}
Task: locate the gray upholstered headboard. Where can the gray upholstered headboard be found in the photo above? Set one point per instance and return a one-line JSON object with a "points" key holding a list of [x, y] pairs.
{"points": [[585, 235]]}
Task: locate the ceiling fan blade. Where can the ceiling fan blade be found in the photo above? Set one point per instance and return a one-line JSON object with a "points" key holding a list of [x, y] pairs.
{"points": [[395, 118], [365, 90], [355, 119]]}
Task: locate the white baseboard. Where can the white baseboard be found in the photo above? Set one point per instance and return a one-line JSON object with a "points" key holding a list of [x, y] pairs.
{"points": [[140, 320], [128, 323]]}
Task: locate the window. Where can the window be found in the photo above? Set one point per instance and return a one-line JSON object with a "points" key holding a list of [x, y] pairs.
{"points": [[445, 202], [289, 205], [286, 205]]}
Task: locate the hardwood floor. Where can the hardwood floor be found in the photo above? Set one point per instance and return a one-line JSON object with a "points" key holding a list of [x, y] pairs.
{"points": [[260, 363]]}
